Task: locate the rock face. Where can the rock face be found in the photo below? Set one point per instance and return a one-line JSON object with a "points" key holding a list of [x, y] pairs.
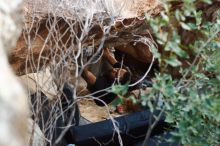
{"points": [[35, 135], [13, 104], [57, 32], [67, 8], [52, 28]]}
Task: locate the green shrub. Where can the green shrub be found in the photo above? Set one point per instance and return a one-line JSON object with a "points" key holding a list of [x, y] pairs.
{"points": [[188, 41]]}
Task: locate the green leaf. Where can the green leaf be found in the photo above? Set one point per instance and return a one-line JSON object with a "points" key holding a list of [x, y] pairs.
{"points": [[133, 99], [165, 17], [155, 52], [201, 76], [169, 119], [150, 105], [199, 18], [185, 26], [179, 51], [120, 89], [173, 61], [116, 101]]}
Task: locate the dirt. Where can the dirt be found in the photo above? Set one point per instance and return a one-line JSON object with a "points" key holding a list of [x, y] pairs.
{"points": [[94, 113]]}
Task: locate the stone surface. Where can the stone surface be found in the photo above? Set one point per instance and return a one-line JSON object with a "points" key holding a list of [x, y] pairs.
{"points": [[13, 100]]}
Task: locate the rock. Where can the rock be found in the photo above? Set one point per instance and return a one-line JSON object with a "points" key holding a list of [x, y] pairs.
{"points": [[13, 103], [36, 46], [35, 135]]}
